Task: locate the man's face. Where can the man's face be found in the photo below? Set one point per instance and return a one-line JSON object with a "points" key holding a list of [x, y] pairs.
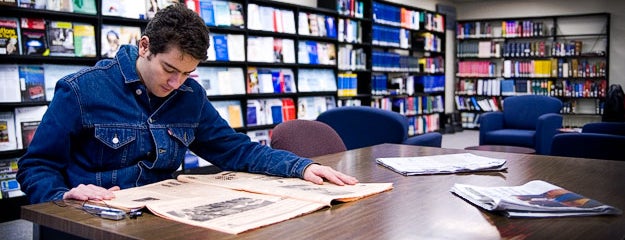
{"points": [[164, 72]]}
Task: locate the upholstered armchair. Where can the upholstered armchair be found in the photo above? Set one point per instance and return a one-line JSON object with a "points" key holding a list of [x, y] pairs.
{"points": [[361, 126], [526, 121]]}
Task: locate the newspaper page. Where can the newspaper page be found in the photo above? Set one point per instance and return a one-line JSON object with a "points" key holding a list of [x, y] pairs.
{"points": [[442, 164], [534, 199], [288, 187]]}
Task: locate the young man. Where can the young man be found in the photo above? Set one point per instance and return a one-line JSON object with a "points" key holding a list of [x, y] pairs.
{"points": [[128, 122]]}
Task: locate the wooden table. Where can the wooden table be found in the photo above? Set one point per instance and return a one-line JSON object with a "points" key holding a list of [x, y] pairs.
{"points": [[502, 148], [419, 207]]}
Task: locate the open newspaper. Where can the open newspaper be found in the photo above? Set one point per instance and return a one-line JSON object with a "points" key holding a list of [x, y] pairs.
{"points": [[442, 164], [533, 199], [235, 202]]}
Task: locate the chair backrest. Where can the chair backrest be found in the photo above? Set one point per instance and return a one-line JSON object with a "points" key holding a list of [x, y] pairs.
{"points": [[361, 126], [588, 145], [306, 138], [521, 112], [614, 128]]}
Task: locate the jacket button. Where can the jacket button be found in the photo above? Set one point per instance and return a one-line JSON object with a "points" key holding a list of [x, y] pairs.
{"points": [[138, 91], [115, 140]]}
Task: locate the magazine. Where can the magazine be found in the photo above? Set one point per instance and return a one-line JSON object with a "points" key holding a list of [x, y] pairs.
{"points": [[442, 164], [534, 199], [235, 202]]}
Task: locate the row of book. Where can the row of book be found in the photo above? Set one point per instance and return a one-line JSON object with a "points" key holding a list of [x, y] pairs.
{"points": [[36, 36], [314, 52], [477, 68], [482, 87], [348, 84], [512, 87], [410, 105], [316, 80], [396, 16], [475, 103], [432, 65], [349, 31], [429, 42], [270, 80], [393, 62], [581, 106], [218, 13], [352, 8], [9, 186], [226, 47], [470, 120], [270, 19], [351, 59], [407, 18], [83, 6], [560, 88], [31, 83], [220, 80], [17, 127], [481, 49], [423, 124], [507, 29], [311, 24], [390, 36], [561, 68], [270, 111]]}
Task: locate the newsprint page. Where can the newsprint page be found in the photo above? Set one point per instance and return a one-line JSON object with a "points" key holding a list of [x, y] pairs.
{"points": [[234, 202]]}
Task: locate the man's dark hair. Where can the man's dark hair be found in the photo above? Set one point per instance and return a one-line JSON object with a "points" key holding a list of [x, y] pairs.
{"points": [[176, 25]]}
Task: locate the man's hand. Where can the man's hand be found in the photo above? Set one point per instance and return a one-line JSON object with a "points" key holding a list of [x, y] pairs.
{"points": [[90, 192], [316, 173]]}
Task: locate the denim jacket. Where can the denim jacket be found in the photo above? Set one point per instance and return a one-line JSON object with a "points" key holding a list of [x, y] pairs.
{"points": [[100, 129]]}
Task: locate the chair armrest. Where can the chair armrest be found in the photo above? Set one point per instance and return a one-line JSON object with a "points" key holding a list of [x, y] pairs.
{"points": [[490, 121], [432, 139], [546, 127]]}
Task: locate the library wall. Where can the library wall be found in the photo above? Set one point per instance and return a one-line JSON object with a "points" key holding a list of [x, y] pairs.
{"points": [[511, 9]]}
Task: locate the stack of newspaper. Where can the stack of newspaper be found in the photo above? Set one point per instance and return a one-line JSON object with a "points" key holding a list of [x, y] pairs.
{"points": [[441, 164], [533, 199]]}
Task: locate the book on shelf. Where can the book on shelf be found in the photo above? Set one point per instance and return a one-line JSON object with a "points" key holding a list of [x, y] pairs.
{"points": [[251, 200], [8, 139], [9, 83], [536, 198], [309, 108], [260, 136], [10, 3], [316, 80], [84, 40], [10, 36], [207, 12], [85, 6], [135, 9], [32, 83], [34, 4], [60, 5], [53, 73], [113, 36], [220, 44], [60, 38], [230, 111], [220, 80], [442, 164], [27, 117], [221, 10], [34, 41], [9, 186], [236, 15]]}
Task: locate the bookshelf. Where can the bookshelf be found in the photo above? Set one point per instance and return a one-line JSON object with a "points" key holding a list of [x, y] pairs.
{"points": [[393, 59], [564, 56]]}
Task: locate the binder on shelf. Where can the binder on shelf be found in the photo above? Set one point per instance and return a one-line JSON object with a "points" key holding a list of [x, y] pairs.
{"points": [[32, 83]]}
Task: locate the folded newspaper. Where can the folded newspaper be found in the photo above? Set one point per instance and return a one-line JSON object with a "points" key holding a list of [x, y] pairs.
{"points": [[442, 164], [533, 199]]}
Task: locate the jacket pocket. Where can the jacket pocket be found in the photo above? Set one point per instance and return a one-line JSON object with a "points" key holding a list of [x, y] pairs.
{"points": [[115, 137], [184, 135]]}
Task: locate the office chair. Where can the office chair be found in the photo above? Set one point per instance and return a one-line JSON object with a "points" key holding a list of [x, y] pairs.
{"points": [[361, 126], [306, 138], [526, 121], [589, 145]]}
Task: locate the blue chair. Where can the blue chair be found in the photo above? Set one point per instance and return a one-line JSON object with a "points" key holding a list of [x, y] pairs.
{"points": [[306, 138], [614, 128], [589, 145], [526, 121], [361, 126]]}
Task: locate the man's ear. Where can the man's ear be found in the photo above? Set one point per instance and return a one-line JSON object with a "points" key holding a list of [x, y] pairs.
{"points": [[144, 46]]}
